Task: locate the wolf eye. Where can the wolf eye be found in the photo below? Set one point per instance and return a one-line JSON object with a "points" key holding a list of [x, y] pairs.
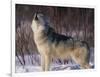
{"points": [[41, 15]]}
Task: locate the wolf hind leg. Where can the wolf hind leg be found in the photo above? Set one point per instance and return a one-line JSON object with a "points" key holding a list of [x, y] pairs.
{"points": [[85, 65]]}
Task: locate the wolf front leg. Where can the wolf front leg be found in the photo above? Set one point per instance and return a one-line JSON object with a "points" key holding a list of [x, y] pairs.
{"points": [[47, 62], [42, 62]]}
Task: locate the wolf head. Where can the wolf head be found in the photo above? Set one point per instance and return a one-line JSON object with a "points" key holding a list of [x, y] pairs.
{"points": [[39, 23]]}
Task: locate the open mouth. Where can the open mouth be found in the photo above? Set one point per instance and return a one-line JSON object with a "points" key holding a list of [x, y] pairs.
{"points": [[35, 16]]}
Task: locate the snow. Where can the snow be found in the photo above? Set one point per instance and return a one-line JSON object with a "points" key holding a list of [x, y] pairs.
{"points": [[30, 68], [32, 64]]}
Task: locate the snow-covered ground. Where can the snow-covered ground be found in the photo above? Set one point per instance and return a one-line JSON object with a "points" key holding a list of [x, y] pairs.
{"points": [[32, 64]]}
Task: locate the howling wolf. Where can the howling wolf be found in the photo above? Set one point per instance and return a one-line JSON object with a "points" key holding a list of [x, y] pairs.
{"points": [[53, 45]]}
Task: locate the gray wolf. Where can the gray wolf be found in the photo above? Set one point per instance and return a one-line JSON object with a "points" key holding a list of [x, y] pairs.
{"points": [[53, 45]]}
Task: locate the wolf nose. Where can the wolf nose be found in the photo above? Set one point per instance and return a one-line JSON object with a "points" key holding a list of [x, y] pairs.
{"points": [[35, 16]]}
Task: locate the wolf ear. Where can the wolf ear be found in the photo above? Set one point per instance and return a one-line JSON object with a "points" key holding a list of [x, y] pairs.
{"points": [[35, 16]]}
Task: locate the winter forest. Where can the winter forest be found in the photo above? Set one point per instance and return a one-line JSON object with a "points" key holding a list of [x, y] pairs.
{"points": [[70, 21]]}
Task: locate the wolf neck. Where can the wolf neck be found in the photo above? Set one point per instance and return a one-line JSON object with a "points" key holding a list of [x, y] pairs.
{"points": [[40, 37]]}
